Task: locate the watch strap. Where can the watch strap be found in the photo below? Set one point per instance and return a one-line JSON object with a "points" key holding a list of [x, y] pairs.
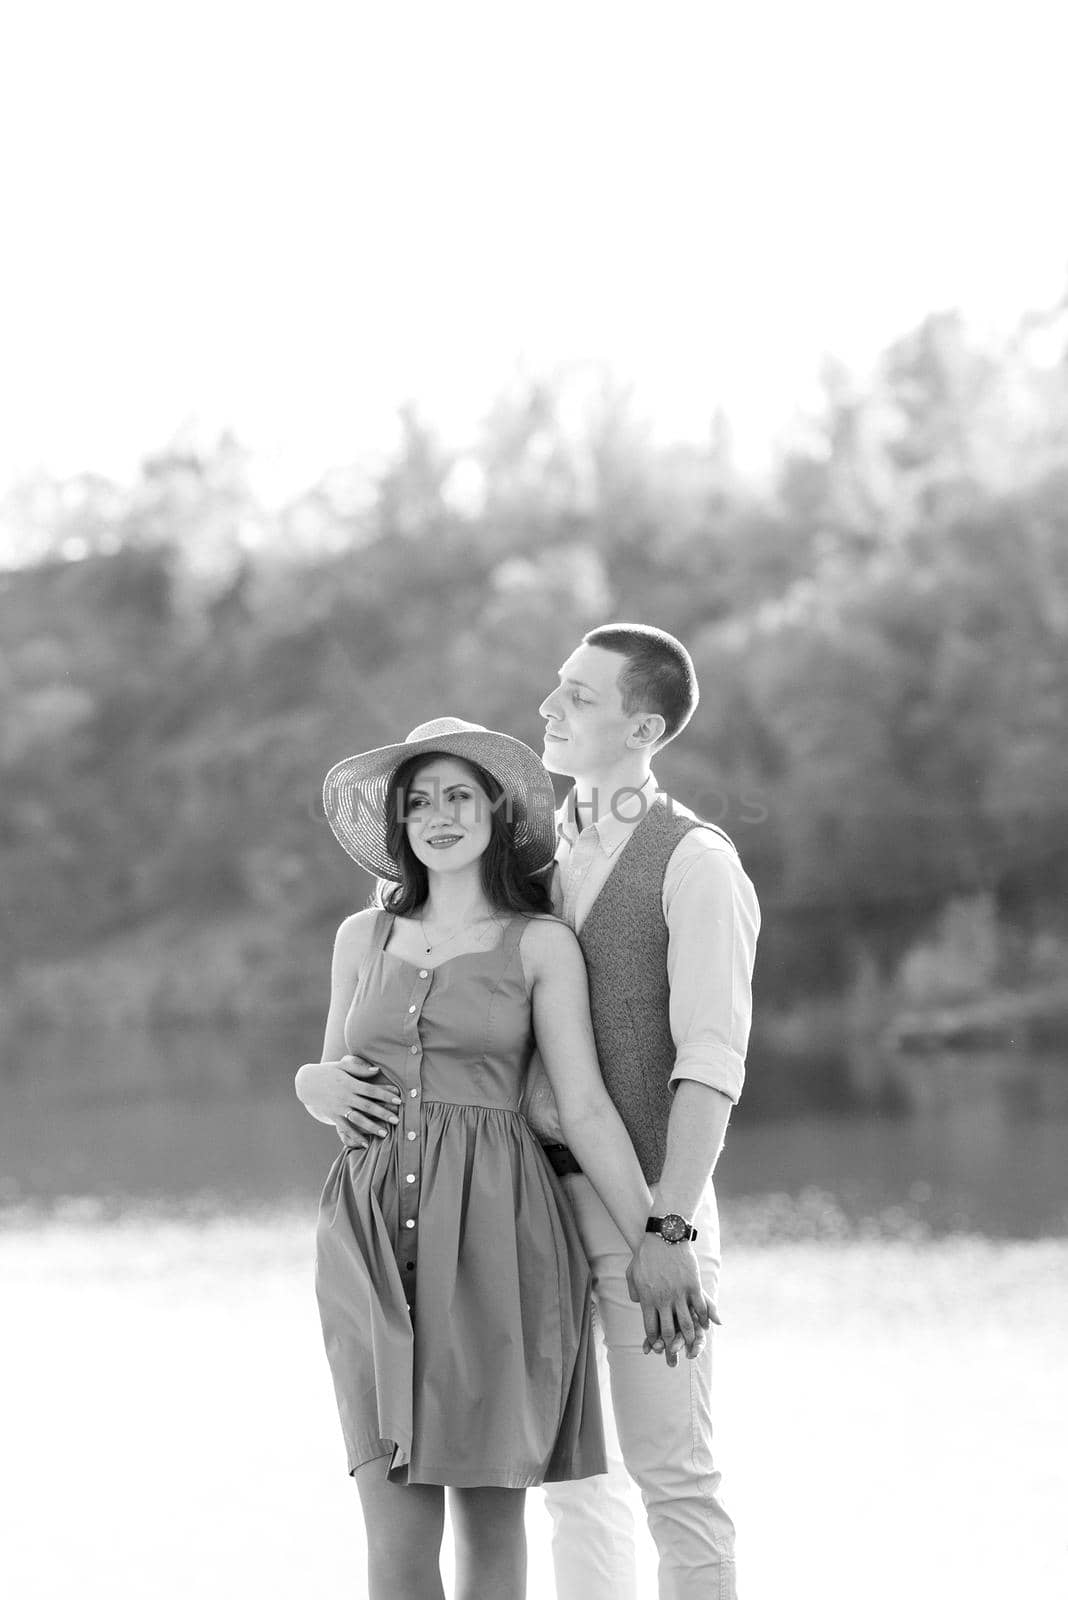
{"points": [[678, 1228]]}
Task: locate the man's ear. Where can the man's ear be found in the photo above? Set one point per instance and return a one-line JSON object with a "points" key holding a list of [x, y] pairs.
{"points": [[647, 732]]}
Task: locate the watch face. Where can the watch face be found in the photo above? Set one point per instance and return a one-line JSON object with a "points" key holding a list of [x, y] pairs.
{"points": [[674, 1228]]}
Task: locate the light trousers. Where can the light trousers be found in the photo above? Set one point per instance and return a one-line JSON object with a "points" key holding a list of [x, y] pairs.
{"points": [[658, 1423]]}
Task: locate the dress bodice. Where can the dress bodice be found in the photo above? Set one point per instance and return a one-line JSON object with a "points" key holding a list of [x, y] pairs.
{"points": [[458, 1033]]}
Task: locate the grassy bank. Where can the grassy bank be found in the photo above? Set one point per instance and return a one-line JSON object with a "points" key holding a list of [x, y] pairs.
{"points": [[175, 972], [231, 969]]}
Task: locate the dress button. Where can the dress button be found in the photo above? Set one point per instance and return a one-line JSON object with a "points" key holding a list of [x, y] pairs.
{"points": [[410, 1010], [414, 1051], [414, 1093], [409, 1224], [410, 1178], [411, 1136], [424, 973]]}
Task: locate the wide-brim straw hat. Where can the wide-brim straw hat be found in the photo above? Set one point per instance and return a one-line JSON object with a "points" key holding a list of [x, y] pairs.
{"points": [[355, 791]]}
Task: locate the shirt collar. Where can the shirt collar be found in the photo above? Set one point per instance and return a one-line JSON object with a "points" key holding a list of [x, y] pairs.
{"points": [[618, 816]]}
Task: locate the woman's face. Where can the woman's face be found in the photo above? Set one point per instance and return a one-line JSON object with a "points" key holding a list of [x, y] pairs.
{"points": [[448, 818]]}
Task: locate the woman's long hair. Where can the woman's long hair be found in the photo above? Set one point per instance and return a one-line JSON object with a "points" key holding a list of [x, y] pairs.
{"points": [[504, 883]]}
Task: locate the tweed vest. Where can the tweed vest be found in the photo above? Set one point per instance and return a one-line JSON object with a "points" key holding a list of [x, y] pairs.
{"points": [[625, 942]]}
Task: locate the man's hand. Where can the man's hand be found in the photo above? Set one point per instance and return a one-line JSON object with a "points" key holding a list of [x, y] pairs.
{"points": [[666, 1279], [338, 1092]]}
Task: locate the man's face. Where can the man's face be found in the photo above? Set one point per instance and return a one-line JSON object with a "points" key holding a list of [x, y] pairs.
{"points": [[586, 727]]}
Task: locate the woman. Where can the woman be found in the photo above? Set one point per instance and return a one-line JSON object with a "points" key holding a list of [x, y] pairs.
{"points": [[452, 1287]]}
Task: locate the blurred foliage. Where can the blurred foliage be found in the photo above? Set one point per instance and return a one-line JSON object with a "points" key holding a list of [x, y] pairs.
{"points": [[881, 633]]}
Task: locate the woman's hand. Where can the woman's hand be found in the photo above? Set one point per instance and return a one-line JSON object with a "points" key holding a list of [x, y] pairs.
{"points": [[338, 1092]]}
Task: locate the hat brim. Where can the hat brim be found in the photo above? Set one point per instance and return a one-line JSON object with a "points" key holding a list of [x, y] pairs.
{"points": [[355, 792]]}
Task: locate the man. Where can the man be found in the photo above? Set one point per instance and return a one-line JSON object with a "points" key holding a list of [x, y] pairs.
{"points": [[668, 922]]}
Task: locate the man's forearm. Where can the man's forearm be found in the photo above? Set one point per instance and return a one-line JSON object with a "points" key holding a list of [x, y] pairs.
{"points": [[300, 1081], [697, 1128]]}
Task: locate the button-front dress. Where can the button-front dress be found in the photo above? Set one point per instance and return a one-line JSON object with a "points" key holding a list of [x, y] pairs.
{"points": [[452, 1285]]}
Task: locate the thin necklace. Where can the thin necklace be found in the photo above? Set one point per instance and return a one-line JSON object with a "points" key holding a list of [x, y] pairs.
{"points": [[430, 948]]}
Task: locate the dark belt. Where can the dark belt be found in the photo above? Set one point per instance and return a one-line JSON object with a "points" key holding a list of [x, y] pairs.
{"points": [[560, 1159]]}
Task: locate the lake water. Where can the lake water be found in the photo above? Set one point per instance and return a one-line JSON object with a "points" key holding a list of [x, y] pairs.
{"points": [[892, 1374], [973, 1144]]}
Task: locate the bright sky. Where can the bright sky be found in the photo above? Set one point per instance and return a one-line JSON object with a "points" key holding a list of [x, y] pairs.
{"points": [[290, 217]]}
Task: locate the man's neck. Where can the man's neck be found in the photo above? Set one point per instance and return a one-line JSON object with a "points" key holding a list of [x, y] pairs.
{"points": [[594, 792]]}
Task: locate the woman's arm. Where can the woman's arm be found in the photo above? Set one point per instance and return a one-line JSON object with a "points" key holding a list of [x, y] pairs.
{"points": [[591, 1124], [327, 1088]]}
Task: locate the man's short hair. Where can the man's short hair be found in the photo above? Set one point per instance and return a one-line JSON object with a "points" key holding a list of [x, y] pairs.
{"points": [[657, 672]]}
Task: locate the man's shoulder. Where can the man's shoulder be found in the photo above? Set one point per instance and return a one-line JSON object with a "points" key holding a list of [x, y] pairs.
{"points": [[698, 835], [704, 867]]}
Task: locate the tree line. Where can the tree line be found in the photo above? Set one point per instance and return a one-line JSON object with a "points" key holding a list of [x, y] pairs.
{"points": [[880, 629]]}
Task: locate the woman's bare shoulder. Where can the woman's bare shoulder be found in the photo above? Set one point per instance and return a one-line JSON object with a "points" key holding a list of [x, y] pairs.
{"points": [[548, 942], [353, 938]]}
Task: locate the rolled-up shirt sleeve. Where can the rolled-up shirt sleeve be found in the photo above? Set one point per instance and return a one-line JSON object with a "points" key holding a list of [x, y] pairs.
{"points": [[713, 920]]}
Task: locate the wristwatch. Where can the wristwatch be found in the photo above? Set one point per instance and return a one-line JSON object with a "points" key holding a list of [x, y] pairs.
{"points": [[672, 1228]]}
